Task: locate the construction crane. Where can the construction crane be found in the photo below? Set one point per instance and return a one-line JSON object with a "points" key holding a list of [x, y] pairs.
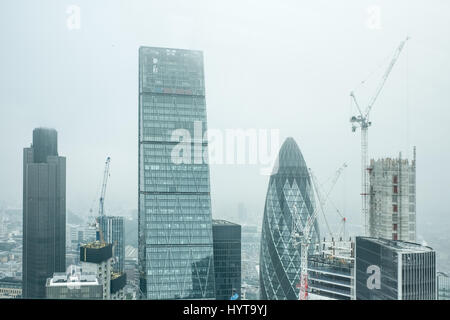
{"points": [[303, 235], [362, 121], [101, 206], [99, 236]]}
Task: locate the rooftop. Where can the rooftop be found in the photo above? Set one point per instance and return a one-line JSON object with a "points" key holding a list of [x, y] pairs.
{"points": [[74, 276], [399, 245], [10, 280], [223, 222], [96, 245]]}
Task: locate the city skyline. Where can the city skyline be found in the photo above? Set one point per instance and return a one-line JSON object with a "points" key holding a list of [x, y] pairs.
{"points": [[322, 125], [236, 171]]}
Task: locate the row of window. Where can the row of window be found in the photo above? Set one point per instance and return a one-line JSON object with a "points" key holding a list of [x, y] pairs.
{"points": [[174, 228], [200, 169], [173, 100], [185, 199], [174, 109]]}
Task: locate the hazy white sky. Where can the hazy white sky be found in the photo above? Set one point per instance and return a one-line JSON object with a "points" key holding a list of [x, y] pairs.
{"points": [[286, 65]]}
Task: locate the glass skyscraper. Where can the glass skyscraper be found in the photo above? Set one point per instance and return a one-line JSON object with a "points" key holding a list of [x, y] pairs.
{"points": [[113, 232], [44, 212], [289, 194], [227, 259], [394, 270], [175, 222]]}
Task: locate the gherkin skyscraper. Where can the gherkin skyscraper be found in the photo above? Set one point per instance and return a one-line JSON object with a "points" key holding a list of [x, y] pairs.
{"points": [[290, 192]]}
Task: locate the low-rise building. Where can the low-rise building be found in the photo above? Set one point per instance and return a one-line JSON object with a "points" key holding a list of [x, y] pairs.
{"points": [[73, 284], [10, 288], [443, 286]]}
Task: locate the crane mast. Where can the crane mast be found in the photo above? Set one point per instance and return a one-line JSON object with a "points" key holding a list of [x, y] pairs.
{"points": [[362, 121], [101, 205], [304, 235], [101, 209]]}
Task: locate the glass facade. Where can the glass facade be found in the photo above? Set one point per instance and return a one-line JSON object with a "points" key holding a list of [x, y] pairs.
{"points": [[227, 259], [44, 213], [330, 277], [443, 284], [113, 232], [175, 223], [289, 196], [394, 270]]}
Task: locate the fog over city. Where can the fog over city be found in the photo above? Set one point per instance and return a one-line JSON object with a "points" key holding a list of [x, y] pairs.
{"points": [[287, 66]]}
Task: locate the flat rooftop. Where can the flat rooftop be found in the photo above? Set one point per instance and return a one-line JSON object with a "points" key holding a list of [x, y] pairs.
{"points": [[224, 223], [95, 245], [61, 279], [400, 245]]}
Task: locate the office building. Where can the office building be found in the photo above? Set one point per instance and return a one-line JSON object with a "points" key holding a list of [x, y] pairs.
{"points": [[44, 212], [394, 270], [289, 197], [251, 240], [131, 266], [117, 286], [74, 284], [331, 273], [242, 213], [79, 234], [113, 232], [392, 211], [96, 258], [10, 288], [175, 223], [227, 259], [443, 286]]}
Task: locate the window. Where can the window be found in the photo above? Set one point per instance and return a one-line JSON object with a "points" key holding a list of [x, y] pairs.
{"points": [[394, 236], [395, 189], [395, 179], [394, 208], [394, 227]]}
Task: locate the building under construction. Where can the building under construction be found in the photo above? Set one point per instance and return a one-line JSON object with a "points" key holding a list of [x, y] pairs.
{"points": [[331, 273], [96, 257], [392, 213]]}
